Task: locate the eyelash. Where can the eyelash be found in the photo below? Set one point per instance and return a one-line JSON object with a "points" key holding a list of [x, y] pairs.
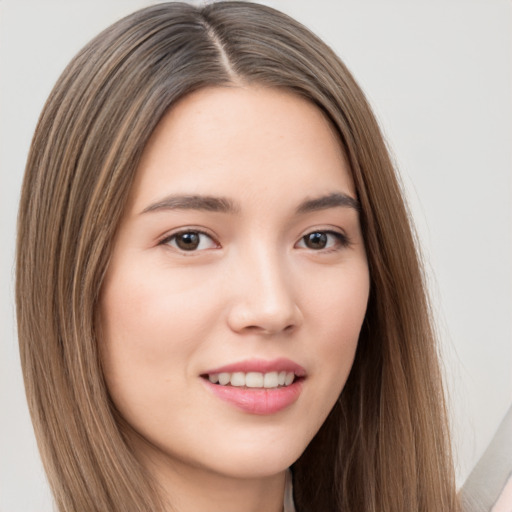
{"points": [[167, 240], [342, 241]]}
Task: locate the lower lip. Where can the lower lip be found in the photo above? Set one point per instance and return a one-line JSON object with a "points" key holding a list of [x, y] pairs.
{"points": [[257, 401]]}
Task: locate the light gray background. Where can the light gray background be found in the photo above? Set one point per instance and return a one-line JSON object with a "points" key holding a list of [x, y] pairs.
{"points": [[438, 74]]}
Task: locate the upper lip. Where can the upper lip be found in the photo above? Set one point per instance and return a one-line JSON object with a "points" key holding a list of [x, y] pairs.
{"points": [[261, 365]]}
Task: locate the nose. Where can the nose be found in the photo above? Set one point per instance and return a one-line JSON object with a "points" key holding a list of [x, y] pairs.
{"points": [[264, 300]]}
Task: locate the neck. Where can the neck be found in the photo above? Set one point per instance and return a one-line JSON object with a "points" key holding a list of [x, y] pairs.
{"points": [[188, 489]]}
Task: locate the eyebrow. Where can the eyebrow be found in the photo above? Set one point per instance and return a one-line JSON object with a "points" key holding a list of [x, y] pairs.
{"points": [[225, 205], [334, 200], [194, 202]]}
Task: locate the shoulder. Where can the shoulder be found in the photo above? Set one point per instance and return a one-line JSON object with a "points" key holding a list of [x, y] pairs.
{"points": [[489, 486]]}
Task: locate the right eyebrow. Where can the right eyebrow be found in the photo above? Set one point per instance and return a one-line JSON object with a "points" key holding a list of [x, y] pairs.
{"points": [[194, 202]]}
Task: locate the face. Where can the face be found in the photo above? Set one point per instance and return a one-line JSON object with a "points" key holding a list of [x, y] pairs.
{"points": [[238, 284]]}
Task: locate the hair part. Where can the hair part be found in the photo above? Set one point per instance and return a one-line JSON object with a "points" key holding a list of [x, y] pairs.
{"points": [[385, 446]]}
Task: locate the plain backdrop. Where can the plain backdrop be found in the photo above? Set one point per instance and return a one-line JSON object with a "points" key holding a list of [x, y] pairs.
{"points": [[438, 74]]}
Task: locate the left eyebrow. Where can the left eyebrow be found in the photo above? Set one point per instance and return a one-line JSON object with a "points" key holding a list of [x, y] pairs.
{"points": [[334, 200]]}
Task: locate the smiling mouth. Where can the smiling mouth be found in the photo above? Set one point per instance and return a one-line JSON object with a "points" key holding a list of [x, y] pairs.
{"points": [[253, 380], [257, 386]]}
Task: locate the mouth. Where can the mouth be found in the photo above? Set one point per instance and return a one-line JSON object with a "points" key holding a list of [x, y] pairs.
{"points": [[257, 386], [253, 380]]}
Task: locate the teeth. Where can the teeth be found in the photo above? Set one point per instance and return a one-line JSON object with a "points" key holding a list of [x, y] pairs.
{"points": [[238, 379], [224, 378], [253, 379], [289, 379], [270, 380]]}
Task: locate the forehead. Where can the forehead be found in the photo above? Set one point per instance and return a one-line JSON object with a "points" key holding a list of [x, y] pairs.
{"points": [[242, 142]]}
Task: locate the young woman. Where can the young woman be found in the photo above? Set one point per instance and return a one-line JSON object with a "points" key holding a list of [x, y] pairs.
{"points": [[217, 280]]}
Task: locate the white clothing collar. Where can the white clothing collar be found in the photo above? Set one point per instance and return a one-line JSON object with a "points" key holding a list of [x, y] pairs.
{"points": [[288, 505]]}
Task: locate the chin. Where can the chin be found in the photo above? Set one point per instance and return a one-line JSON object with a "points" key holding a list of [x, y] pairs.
{"points": [[259, 460], [258, 467]]}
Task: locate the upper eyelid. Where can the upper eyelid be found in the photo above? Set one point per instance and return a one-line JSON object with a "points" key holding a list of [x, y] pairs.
{"points": [[334, 230], [325, 229], [340, 235], [178, 231], [169, 242]]}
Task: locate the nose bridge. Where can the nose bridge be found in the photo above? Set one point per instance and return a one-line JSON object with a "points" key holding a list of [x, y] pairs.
{"points": [[265, 299]]}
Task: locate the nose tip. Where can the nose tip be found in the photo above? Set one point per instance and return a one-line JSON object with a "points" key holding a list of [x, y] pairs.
{"points": [[265, 306], [264, 319]]}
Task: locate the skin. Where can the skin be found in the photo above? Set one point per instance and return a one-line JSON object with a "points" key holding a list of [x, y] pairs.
{"points": [[254, 287]]}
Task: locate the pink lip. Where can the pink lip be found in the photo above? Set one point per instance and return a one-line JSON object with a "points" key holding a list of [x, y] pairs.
{"points": [[262, 366], [257, 400]]}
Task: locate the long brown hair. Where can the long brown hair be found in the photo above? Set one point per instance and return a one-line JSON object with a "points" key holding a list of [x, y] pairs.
{"points": [[385, 446]]}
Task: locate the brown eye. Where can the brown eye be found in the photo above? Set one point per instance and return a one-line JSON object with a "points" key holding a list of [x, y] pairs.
{"points": [[317, 240], [190, 241]]}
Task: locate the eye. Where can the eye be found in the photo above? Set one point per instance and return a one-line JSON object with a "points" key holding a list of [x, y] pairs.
{"points": [[190, 240], [321, 240]]}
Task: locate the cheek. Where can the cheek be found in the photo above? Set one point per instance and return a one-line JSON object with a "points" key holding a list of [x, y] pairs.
{"points": [[336, 314], [149, 332], [149, 310], [337, 307]]}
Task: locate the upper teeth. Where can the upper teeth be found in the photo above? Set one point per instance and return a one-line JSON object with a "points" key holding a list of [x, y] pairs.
{"points": [[253, 379]]}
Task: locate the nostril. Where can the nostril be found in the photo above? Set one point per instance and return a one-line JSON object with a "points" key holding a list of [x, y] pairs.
{"points": [[260, 316], [269, 330]]}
